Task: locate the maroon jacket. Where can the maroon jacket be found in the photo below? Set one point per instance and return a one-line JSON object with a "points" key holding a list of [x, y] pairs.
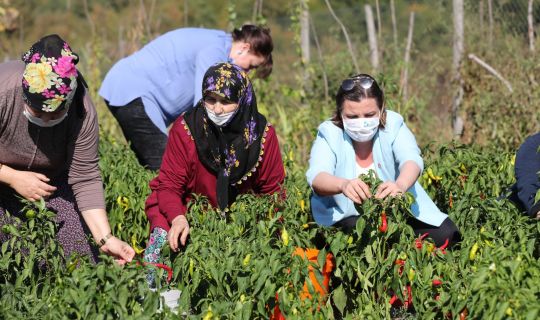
{"points": [[182, 174]]}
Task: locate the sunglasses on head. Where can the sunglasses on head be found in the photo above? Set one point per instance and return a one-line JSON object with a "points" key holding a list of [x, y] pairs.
{"points": [[365, 82]]}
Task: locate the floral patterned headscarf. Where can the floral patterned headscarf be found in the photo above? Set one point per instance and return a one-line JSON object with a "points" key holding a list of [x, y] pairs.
{"points": [[233, 150], [50, 77]]}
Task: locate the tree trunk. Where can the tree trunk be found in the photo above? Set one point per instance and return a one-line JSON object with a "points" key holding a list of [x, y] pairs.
{"points": [[394, 24], [379, 28], [304, 41], [457, 122], [531, 26], [255, 11], [121, 43], [259, 12], [490, 13], [304, 32], [89, 18], [319, 54], [481, 14], [406, 59], [372, 38], [349, 45], [185, 13]]}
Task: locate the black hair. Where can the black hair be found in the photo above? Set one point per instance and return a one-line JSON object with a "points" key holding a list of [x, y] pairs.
{"points": [[261, 44], [358, 93]]}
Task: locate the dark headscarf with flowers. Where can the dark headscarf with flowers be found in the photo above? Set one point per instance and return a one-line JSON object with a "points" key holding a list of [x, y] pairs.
{"points": [[50, 77], [230, 151]]}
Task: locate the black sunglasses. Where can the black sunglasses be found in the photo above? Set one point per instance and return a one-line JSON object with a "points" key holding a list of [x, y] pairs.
{"points": [[365, 82]]}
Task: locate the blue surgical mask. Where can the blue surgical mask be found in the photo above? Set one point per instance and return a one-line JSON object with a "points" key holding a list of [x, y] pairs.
{"points": [[39, 122]]}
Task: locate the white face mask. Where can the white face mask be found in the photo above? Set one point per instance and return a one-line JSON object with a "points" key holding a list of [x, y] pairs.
{"points": [[39, 122], [220, 119], [361, 129]]}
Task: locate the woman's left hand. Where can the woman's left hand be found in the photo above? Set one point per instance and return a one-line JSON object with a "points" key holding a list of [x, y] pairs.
{"points": [[388, 188], [118, 249]]}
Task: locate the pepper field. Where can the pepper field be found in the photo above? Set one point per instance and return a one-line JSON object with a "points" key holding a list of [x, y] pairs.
{"points": [[236, 265]]}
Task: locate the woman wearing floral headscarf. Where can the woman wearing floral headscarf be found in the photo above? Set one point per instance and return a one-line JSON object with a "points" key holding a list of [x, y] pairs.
{"points": [[49, 148], [219, 149]]}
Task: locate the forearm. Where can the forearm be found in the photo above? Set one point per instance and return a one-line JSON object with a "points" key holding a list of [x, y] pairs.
{"points": [[6, 174], [326, 184], [408, 175], [97, 222]]}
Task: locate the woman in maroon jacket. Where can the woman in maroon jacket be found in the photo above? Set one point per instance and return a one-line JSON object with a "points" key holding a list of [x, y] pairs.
{"points": [[221, 148]]}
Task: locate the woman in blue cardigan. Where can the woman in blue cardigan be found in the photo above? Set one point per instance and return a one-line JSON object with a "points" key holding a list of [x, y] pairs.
{"points": [[149, 89], [363, 135]]}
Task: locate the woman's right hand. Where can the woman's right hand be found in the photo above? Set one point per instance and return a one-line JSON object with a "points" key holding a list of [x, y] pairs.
{"points": [[356, 190], [31, 185], [179, 229]]}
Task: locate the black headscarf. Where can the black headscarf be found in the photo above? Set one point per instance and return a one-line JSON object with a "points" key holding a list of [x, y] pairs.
{"points": [[233, 150]]}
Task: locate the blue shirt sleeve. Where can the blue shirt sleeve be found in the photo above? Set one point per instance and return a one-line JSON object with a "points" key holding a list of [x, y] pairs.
{"points": [[322, 158], [205, 59], [405, 148]]}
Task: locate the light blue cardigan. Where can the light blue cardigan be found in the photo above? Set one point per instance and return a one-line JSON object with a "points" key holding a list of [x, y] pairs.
{"points": [[333, 152]]}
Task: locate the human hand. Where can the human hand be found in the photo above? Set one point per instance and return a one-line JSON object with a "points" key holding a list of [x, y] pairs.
{"points": [[118, 249], [356, 190], [31, 185], [388, 188], [179, 229]]}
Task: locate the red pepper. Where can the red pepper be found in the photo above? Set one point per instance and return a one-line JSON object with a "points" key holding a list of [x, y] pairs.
{"points": [[277, 315], [384, 224], [418, 241], [409, 301], [161, 266], [394, 301], [401, 264], [443, 247], [436, 282]]}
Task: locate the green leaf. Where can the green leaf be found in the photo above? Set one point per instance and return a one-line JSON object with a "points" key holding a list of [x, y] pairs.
{"points": [[339, 298]]}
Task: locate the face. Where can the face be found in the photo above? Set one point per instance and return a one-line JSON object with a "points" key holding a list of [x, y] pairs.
{"points": [[244, 57], [46, 116], [367, 108], [248, 61], [218, 104]]}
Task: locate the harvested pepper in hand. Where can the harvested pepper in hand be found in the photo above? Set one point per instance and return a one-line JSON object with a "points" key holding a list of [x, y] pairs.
{"points": [[384, 225]]}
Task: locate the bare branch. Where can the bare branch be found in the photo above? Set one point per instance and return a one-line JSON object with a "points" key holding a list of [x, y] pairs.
{"points": [[491, 70], [355, 63], [407, 58], [372, 38], [319, 54]]}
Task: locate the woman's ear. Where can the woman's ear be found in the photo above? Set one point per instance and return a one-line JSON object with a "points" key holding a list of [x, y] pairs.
{"points": [[245, 46]]}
